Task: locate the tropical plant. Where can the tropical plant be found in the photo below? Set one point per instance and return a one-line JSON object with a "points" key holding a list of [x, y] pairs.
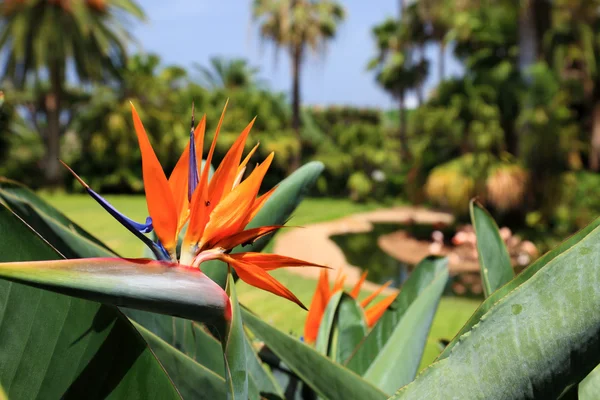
{"points": [[298, 26], [228, 74], [394, 70], [42, 40], [116, 351]]}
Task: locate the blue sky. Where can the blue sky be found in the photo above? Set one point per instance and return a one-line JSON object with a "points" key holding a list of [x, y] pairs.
{"points": [[184, 32]]}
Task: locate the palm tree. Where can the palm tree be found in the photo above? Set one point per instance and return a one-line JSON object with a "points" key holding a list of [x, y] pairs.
{"points": [[413, 32], [298, 26], [45, 40], [395, 71], [437, 16], [228, 74], [573, 47]]}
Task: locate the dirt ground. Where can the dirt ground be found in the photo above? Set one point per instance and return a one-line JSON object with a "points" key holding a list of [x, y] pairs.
{"points": [[312, 242]]}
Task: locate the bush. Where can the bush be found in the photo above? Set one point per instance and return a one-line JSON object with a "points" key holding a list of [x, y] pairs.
{"points": [[360, 186]]}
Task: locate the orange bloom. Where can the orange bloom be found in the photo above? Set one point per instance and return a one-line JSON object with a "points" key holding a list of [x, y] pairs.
{"points": [[216, 211], [323, 294]]}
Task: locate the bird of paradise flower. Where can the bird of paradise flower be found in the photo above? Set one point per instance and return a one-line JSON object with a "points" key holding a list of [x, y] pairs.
{"points": [[324, 292], [215, 212]]}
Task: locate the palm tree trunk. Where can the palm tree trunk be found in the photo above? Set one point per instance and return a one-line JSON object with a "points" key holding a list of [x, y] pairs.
{"points": [[442, 61], [534, 21], [402, 135], [594, 160], [527, 42], [296, 121], [421, 86], [52, 169]]}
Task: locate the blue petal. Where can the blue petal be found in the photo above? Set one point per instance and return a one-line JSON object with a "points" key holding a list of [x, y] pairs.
{"points": [[134, 227], [127, 222], [193, 166]]}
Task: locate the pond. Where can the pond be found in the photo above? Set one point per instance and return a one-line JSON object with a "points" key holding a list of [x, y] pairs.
{"points": [[361, 249]]}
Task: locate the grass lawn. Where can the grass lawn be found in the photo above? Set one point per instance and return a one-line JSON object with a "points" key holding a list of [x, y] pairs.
{"points": [[451, 315]]}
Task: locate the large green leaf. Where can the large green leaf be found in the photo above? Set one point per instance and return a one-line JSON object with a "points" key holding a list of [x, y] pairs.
{"points": [[234, 348], [534, 342], [192, 339], [192, 380], [330, 380], [23, 193], [424, 276], [276, 211], [145, 284], [63, 347], [589, 388], [189, 337], [348, 331], [518, 280], [494, 261], [342, 327], [398, 361], [263, 380], [326, 325]]}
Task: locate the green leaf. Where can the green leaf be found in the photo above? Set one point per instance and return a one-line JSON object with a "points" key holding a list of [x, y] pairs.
{"points": [[234, 348], [63, 347], [342, 328], [534, 342], [189, 337], [494, 261], [348, 331], [518, 280], [425, 274], [326, 325], [264, 381], [276, 211], [404, 348], [23, 193], [590, 387], [66, 240], [330, 380], [192, 380], [145, 284]]}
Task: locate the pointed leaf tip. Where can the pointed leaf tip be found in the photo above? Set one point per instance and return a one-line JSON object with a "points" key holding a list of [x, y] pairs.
{"points": [[156, 286]]}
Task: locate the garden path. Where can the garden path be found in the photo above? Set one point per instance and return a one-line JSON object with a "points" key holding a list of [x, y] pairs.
{"points": [[312, 242]]}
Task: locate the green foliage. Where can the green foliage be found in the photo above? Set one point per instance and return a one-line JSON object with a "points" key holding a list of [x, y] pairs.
{"points": [[353, 144], [94, 347], [494, 261], [360, 186], [491, 344], [499, 343]]}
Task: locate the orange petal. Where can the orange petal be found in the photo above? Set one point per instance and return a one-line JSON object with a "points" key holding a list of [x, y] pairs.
{"points": [[257, 277], [373, 314], [258, 204], [245, 237], [356, 290], [269, 262], [224, 177], [178, 180], [339, 281], [317, 308], [161, 205], [229, 216], [248, 157], [200, 205], [242, 168], [370, 297]]}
